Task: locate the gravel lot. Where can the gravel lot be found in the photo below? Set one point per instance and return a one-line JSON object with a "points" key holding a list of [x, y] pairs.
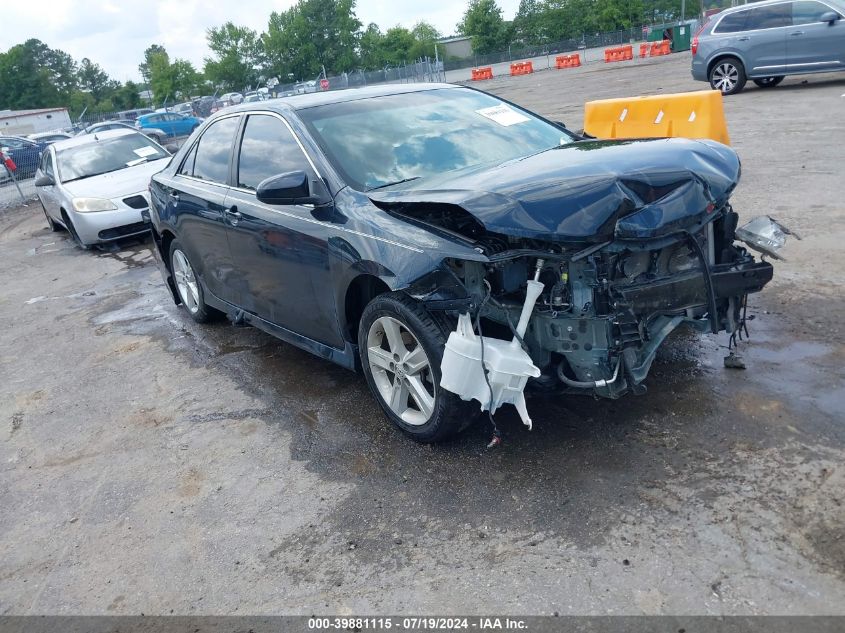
{"points": [[150, 465]]}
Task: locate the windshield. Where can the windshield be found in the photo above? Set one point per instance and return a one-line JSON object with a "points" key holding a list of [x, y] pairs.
{"points": [[111, 154], [395, 138]]}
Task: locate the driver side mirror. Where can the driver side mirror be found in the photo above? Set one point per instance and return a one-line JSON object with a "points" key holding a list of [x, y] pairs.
{"points": [[829, 16], [290, 188], [44, 180]]}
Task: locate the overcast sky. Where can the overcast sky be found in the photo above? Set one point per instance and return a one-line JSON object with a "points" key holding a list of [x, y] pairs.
{"points": [[115, 33]]}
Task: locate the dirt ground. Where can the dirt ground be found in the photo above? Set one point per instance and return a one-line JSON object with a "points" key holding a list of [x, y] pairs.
{"points": [[150, 465]]}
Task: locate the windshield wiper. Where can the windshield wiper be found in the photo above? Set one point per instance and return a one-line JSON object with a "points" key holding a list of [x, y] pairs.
{"points": [[398, 182]]}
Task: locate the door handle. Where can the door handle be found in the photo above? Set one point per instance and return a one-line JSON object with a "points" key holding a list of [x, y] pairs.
{"points": [[743, 39], [796, 33], [175, 196], [233, 214]]}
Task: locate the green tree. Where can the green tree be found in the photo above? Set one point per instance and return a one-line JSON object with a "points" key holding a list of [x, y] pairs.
{"points": [[94, 79], [238, 56], [484, 23], [529, 23], [311, 35], [33, 75], [370, 46], [425, 36], [152, 50]]}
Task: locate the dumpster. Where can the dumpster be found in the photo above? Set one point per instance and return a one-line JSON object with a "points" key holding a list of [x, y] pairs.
{"points": [[679, 34]]}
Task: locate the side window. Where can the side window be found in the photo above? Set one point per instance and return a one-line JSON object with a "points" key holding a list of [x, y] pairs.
{"points": [[808, 11], [213, 151], [187, 168], [268, 149], [769, 17], [47, 163], [732, 23]]}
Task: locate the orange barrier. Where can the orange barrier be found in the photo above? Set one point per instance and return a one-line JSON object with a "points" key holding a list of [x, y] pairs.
{"points": [[482, 73], [619, 53], [644, 49], [521, 68], [660, 48], [568, 61]]}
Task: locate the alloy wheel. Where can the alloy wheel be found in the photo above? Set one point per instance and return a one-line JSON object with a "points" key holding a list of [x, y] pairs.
{"points": [[186, 281], [401, 370], [725, 77]]}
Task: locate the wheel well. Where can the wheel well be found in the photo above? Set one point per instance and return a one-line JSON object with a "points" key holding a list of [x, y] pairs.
{"points": [[166, 238], [359, 293], [719, 58]]}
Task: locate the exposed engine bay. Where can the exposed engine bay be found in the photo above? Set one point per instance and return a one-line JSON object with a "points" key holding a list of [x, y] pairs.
{"points": [[586, 317]]}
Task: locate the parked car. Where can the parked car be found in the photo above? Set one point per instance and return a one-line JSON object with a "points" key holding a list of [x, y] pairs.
{"points": [[218, 105], [232, 97], [252, 97], [186, 108], [24, 152], [388, 227], [133, 114], [202, 106], [49, 137], [170, 123], [765, 41], [95, 185], [156, 134]]}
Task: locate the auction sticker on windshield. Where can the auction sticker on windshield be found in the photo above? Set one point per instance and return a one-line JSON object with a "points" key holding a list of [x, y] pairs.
{"points": [[145, 151], [503, 115]]}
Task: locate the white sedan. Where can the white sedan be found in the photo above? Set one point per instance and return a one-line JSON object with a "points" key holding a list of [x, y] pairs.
{"points": [[96, 185]]}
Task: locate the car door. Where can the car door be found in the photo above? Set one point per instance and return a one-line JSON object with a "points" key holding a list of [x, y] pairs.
{"points": [[766, 39], [48, 194], [197, 201], [159, 122], [280, 251], [811, 43], [175, 124]]}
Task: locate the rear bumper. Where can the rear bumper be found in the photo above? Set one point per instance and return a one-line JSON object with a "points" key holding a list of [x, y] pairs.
{"points": [[699, 69]]}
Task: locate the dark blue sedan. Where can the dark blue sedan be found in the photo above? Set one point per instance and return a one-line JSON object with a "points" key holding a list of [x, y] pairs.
{"points": [[454, 246], [172, 124], [25, 153]]}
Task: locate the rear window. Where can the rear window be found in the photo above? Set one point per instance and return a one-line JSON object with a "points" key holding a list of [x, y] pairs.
{"points": [[732, 23]]}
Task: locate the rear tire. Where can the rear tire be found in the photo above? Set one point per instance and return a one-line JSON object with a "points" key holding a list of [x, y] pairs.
{"points": [[768, 82], [728, 76], [401, 346], [188, 285]]}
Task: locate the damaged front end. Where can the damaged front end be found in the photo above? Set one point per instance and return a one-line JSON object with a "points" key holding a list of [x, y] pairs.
{"points": [[586, 315]]}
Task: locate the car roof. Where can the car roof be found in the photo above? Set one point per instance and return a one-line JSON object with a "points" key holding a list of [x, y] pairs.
{"points": [[313, 99], [754, 5], [87, 139]]}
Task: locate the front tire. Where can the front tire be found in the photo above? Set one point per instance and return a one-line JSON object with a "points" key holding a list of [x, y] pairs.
{"points": [[73, 234], [188, 285], [728, 76], [768, 82], [55, 228], [401, 347]]}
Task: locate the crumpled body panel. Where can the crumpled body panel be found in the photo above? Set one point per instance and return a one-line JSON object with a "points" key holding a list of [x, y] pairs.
{"points": [[589, 190]]}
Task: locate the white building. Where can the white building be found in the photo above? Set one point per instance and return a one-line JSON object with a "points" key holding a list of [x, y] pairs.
{"points": [[24, 122]]}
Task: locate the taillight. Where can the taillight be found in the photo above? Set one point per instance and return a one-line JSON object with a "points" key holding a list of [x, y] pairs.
{"points": [[695, 45]]}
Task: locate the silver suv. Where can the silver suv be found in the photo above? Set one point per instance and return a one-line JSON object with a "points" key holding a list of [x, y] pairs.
{"points": [[765, 41]]}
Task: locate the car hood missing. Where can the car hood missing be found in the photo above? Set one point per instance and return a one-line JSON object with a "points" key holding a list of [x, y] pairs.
{"points": [[589, 190]]}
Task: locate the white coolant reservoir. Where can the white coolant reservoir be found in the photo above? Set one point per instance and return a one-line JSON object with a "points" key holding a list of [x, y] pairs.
{"points": [[508, 366]]}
